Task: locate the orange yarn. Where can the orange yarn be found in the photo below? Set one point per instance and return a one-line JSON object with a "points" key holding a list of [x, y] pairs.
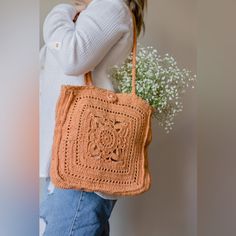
{"points": [[101, 139]]}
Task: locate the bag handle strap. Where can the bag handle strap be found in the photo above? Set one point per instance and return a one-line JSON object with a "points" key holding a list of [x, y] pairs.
{"points": [[88, 75]]}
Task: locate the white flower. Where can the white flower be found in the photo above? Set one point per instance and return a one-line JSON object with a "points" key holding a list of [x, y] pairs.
{"points": [[158, 80]]}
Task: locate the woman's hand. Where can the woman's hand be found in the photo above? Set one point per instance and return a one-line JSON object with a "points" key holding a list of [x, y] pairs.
{"points": [[80, 5]]}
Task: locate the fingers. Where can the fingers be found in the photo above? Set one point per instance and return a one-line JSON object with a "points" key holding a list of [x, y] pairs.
{"points": [[79, 5]]}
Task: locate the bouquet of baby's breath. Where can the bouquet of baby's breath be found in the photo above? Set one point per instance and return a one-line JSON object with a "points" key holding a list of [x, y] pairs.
{"points": [[159, 81]]}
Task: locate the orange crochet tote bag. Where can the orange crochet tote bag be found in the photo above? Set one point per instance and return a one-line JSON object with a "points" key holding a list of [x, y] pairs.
{"points": [[101, 138]]}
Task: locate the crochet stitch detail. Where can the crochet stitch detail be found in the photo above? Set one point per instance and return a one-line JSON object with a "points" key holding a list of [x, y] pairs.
{"points": [[106, 138]]}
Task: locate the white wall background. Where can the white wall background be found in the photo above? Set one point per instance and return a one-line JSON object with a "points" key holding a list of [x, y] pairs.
{"points": [[169, 208]]}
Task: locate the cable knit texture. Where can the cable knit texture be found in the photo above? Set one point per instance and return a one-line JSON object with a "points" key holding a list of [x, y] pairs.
{"points": [[101, 37]]}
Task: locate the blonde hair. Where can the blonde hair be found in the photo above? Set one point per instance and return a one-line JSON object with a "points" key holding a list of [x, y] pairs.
{"points": [[137, 7]]}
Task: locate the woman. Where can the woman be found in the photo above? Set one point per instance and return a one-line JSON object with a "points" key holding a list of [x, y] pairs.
{"points": [[101, 37]]}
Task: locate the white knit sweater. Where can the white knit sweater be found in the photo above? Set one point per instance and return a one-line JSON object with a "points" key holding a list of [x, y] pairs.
{"points": [[101, 37]]}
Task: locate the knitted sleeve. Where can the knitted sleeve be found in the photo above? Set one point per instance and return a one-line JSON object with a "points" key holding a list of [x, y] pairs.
{"points": [[79, 47]]}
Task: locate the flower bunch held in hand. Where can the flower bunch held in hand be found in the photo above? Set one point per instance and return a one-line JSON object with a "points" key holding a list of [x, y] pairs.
{"points": [[159, 81]]}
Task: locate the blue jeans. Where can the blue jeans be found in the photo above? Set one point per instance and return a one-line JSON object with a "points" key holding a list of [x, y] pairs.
{"points": [[67, 212]]}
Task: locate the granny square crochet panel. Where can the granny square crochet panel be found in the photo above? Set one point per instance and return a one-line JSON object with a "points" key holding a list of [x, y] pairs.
{"points": [[101, 140]]}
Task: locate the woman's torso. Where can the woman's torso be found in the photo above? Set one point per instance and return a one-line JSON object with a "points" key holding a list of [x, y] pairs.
{"points": [[52, 77]]}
